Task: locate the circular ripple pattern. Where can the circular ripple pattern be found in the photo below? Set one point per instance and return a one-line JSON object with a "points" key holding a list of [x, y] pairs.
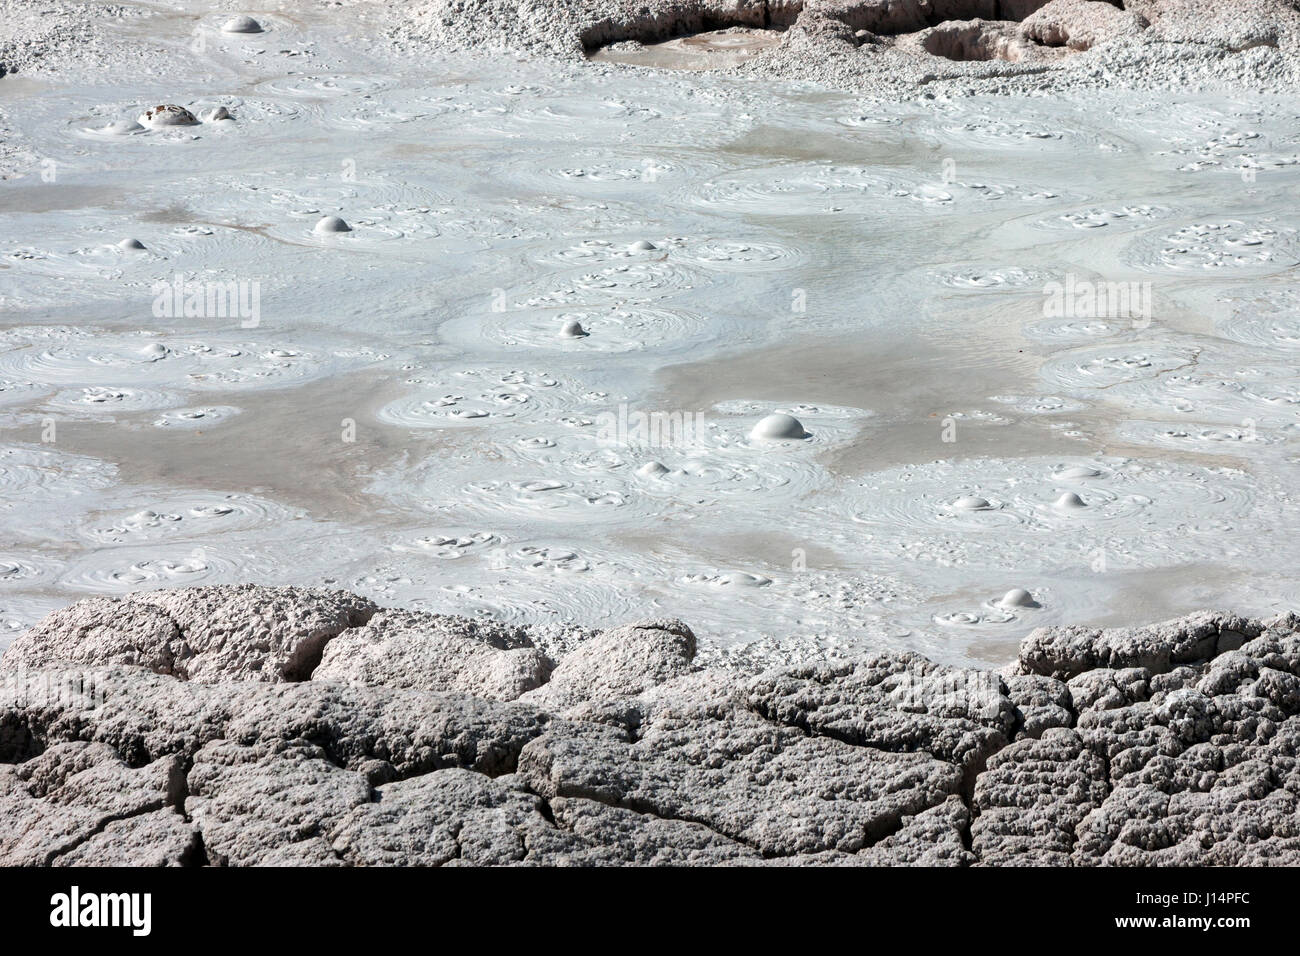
{"points": [[122, 570], [483, 396], [1231, 246], [182, 517]]}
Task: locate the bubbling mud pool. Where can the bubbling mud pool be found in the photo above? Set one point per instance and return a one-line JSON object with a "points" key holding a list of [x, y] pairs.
{"points": [[504, 338]]}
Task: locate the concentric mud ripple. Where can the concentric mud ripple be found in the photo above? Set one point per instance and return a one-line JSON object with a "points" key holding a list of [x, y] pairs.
{"points": [[105, 129], [870, 121], [988, 614], [170, 253], [704, 471], [325, 85], [1200, 437], [800, 190], [368, 230], [20, 571], [1213, 390], [125, 569], [378, 210], [556, 471], [101, 360], [483, 396], [736, 255], [595, 173], [1266, 331], [20, 611], [600, 252], [450, 544], [1039, 130], [1235, 246], [1053, 601], [555, 560], [1040, 404], [613, 329], [115, 124], [369, 116], [107, 400], [1268, 318], [29, 473], [251, 112], [57, 273], [543, 497], [724, 255], [725, 580], [1112, 218], [553, 582], [20, 392], [1071, 330], [709, 480], [608, 585], [641, 279], [186, 516], [1037, 514], [995, 278], [607, 118], [199, 416], [963, 191], [812, 188], [105, 360], [1106, 366]]}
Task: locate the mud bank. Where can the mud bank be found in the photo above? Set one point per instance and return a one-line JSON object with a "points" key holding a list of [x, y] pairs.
{"points": [[249, 725], [888, 47]]}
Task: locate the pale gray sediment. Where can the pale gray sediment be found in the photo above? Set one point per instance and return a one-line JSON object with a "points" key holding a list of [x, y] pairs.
{"points": [[186, 727]]}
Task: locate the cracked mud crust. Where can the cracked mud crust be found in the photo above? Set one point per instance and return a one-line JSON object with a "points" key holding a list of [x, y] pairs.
{"points": [[250, 725]]}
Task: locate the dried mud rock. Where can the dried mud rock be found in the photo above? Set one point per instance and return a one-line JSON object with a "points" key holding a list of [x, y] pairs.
{"points": [[165, 729], [68, 804], [205, 634], [436, 652], [621, 662], [1063, 652], [1080, 24], [897, 703], [892, 48]]}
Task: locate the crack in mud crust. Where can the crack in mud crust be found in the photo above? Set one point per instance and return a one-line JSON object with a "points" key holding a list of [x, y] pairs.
{"points": [[1172, 743]]}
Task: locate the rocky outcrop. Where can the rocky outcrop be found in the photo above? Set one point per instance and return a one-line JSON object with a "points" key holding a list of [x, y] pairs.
{"points": [[1080, 24], [888, 48], [619, 663], [433, 740], [436, 652], [81, 802], [205, 634], [1063, 652]]}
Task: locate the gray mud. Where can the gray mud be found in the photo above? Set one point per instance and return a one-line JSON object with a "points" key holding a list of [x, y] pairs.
{"points": [[436, 408]]}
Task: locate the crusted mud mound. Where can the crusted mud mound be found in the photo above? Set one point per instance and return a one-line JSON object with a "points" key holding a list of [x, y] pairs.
{"points": [[882, 46], [249, 725]]}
